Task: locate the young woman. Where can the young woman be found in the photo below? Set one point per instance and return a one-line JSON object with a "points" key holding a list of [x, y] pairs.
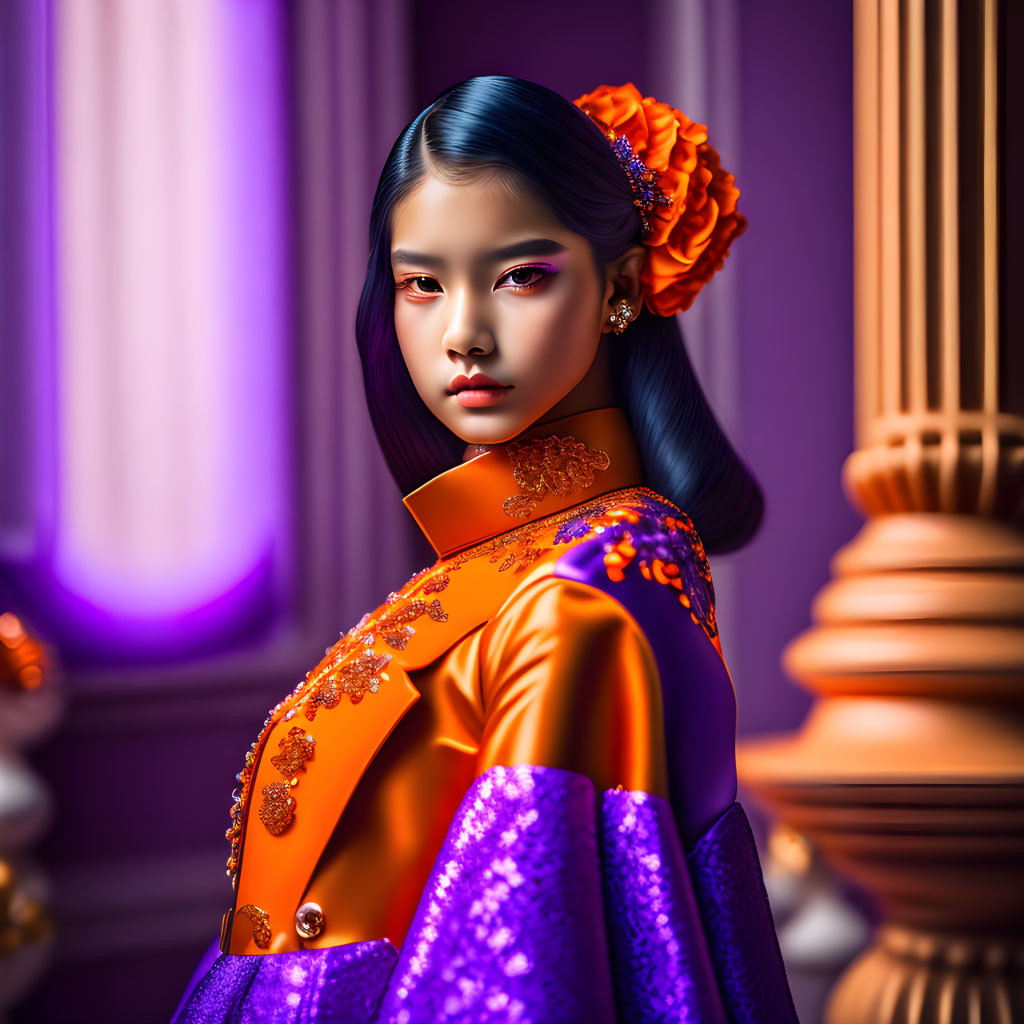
{"points": [[508, 793]]}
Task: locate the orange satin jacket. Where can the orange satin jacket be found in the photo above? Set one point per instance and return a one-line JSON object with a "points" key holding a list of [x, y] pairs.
{"points": [[488, 657]]}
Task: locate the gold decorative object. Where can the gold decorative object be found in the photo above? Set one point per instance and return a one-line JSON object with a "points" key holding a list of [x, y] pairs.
{"points": [[908, 774], [623, 316], [29, 707], [260, 921], [23, 920]]}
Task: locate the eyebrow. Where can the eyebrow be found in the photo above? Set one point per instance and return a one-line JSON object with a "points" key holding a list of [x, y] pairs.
{"points": [[530, 247]]}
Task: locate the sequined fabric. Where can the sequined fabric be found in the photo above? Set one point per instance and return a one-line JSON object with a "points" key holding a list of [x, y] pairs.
{"points": [[326, 986], [733, 904], [510, 927], [544, 905], [517, 918], [660, 960]]}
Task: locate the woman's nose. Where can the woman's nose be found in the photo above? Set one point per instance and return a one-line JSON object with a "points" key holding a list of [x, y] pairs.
{"points": [[468, 331]]}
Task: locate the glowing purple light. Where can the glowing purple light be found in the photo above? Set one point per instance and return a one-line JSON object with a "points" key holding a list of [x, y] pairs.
{"points": [[171, 294]]}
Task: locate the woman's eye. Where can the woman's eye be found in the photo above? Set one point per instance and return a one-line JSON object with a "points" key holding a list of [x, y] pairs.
{"points": [[422, 285], [524, 278]]}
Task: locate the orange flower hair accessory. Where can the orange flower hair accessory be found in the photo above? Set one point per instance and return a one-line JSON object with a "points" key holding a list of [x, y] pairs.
{"points": [[686, 200]]}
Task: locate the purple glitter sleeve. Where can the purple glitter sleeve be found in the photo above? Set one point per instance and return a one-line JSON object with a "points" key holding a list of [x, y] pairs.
{"points": [[325, 986], [660, 960], [538, 909], [738, 922], [511, 925], [545, 905]]}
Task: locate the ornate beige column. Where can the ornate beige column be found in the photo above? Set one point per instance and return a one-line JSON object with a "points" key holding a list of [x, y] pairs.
{"points": [[908, 773]]}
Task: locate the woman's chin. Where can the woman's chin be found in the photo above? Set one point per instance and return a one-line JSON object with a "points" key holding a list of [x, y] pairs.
{"points": [[489, 424]]}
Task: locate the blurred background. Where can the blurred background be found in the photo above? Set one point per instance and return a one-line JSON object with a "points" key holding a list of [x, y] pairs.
{"points": [[192, 503]]}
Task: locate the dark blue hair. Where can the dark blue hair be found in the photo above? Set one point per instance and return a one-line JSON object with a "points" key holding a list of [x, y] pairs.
{"points": [[515, 125]]}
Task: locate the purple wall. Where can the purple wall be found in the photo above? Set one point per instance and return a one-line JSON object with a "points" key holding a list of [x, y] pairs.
{"points": [[569, 47], [795, 294]]}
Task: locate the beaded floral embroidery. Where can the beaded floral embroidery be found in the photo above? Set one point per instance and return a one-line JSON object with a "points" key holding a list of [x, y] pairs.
{"points": [[518, 549], [348, 669], [636, 528], [353, 679], [296, 749], [550, 465], [666, 548], [394, 626], [278, 808], [277, 811]]}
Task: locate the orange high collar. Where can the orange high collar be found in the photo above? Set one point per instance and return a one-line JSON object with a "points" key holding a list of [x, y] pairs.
{"points": [[550, 467]]}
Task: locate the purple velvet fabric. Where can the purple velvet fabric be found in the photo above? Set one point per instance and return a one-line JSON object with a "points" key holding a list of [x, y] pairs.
{"points": [[738, 923], [544, 905]]}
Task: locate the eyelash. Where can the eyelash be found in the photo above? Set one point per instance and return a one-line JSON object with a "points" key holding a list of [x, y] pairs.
{"points": [[544, 272]]}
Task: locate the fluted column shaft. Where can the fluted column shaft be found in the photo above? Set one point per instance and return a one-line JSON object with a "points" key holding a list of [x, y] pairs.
{"points": [[939, 382], [909, 771]]}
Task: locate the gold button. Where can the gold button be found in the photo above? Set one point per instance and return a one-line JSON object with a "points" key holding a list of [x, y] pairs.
{"points": [[309, 920]]}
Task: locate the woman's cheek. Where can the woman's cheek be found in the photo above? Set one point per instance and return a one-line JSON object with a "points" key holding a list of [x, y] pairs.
{"points": [[570, 344], [412, 343]]}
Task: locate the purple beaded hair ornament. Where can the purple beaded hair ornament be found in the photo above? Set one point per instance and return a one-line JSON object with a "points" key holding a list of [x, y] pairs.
{"points": [[642, 180]]}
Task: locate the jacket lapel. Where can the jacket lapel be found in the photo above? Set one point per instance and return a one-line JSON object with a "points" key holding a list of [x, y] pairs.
{"points": [[322, 743], [276, 867]]}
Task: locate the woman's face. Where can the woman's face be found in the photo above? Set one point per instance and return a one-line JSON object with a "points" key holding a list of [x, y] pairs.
{"points": [[489, 283]]}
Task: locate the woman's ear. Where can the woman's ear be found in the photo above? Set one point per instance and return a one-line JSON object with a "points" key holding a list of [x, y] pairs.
{"points": [[622, 281]]}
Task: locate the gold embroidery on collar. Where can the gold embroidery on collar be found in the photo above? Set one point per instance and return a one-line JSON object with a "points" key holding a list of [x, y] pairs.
{"points": [[517, 549], [550, 465]]}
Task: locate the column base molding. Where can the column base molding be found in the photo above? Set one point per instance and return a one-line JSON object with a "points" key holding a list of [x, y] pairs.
{"points": [[929, 978]]}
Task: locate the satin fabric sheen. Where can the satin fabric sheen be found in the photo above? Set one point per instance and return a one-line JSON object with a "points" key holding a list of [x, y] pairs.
{"points": [[511, 693], [533, 874]]}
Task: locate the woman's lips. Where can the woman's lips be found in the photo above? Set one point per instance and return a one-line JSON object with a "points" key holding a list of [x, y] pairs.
{"points": [[477, 391], [473, 398]]}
